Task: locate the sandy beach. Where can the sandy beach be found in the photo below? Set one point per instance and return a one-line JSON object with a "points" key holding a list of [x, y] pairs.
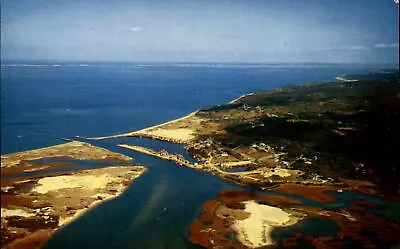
{"points": [[344, 79], [35, 204], [255, 231], [251, 217], [180, 134], [180, 130], [74, 150], [239, 98]]}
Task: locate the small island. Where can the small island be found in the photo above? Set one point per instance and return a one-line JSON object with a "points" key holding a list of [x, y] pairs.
{"points": [[248, 219]]}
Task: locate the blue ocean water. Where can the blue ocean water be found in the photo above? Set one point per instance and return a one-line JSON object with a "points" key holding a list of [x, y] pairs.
{"points": [[41, 104]]}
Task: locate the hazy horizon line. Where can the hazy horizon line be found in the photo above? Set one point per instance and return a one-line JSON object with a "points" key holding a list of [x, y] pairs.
{"points": [[115, 62]]}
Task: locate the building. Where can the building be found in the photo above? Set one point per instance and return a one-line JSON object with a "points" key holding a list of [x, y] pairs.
{"points": [[163, 152]]}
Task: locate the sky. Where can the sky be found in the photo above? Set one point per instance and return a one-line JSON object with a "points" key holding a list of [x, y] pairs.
{"points": [[270, 31]]}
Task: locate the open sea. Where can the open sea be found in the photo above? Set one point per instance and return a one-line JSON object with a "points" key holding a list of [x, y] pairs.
{"points": [[40, 104]]}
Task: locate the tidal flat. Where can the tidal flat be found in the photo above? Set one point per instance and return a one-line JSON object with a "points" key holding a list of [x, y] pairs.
{"points": [[248, 219], [37, 198]]}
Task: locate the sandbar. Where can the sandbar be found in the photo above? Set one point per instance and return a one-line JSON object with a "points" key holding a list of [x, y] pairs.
{"points": [[179, 135], [74, 150]]}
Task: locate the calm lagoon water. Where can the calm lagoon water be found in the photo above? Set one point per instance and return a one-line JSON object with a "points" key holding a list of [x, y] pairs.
{"points": [[39, 105]]}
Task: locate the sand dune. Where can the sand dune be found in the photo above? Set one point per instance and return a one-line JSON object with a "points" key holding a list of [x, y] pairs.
{"points": [[255, 231]]}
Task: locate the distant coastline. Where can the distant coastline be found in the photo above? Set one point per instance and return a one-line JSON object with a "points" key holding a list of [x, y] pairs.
{"points": [[345, 80], [237, 99]]}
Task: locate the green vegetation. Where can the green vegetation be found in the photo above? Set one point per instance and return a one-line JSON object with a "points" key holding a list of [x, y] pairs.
{"points": [[350, 129]]}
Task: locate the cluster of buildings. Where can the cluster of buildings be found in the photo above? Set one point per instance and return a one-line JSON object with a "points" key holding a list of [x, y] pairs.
{"points": [[163, 152], [256, 124], [307, 161], [207, 145], [322, 179], [262, 146], [175, 157]]}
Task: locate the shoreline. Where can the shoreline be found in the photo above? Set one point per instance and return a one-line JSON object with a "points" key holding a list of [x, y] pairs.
{"points": [[146, 132], [168, 157], [141, 132], [36, 202], [256, 216], [344, 79], [269, 170], [208, 127], [243, 178], [56, 200], [97, 202], [72, 149], [240, 97]]}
